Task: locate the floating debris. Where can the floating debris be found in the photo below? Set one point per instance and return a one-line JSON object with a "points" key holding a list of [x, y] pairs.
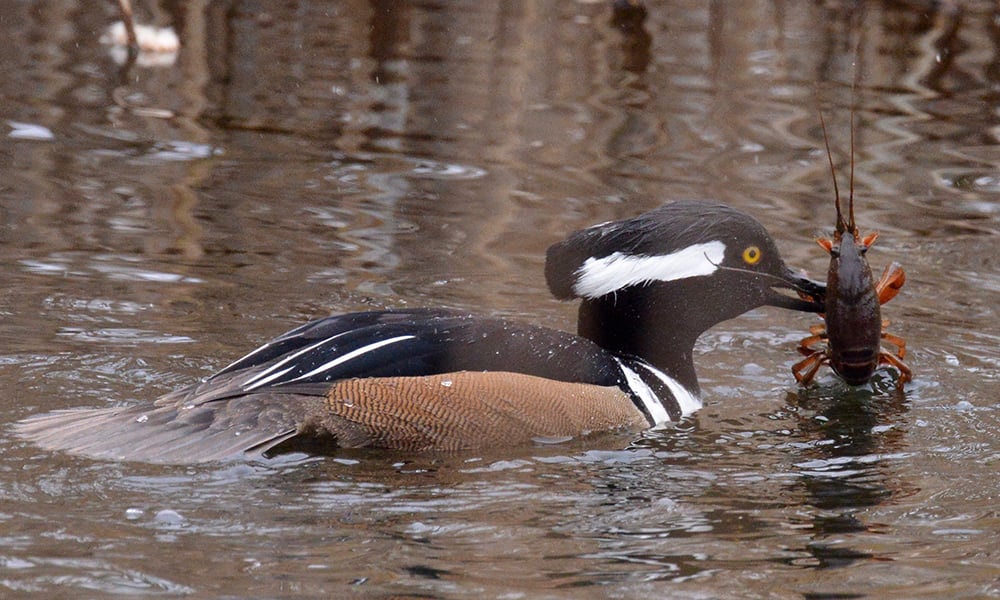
{"points": [[157, 46]]}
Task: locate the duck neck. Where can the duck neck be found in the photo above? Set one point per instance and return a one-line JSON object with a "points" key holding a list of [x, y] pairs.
{"points": [[632, 323]]}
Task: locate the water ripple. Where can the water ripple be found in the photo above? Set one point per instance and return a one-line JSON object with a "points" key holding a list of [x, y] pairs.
{"points": [[30, 131]]}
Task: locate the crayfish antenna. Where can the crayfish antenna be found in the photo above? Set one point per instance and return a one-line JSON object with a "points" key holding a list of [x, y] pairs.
{"points": [[833, 173], [854, 108], [854, 101], [853, 228]]}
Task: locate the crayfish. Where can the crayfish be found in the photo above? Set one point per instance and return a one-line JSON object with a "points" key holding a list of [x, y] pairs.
{"points": [[854, 329]]}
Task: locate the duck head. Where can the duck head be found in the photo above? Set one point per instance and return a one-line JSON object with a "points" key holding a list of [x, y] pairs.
{"points": [[651, 284]]}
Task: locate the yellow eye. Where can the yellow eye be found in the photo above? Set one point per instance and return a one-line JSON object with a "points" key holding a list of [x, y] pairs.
{"points": [[751, 255]]}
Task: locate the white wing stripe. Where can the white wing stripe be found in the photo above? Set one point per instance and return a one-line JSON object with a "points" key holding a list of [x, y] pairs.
{"points": [[246, 356], [255, 380], [352, 355], [259, 382]]}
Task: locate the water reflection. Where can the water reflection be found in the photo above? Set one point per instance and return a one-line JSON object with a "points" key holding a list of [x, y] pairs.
{"points": [[629, 17], [307, 158], [859, 437]]}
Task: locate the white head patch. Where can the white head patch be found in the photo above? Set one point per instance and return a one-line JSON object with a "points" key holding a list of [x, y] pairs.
{"points": [[600, 276]]}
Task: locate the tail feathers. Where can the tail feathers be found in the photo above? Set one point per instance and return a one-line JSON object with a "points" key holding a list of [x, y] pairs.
{"points": [[172, 434]]}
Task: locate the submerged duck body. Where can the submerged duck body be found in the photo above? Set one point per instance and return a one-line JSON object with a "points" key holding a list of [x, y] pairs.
{"points": [[435, 379]]}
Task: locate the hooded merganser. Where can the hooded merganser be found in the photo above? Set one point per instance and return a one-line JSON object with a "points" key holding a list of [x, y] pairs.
{"points": [[435, 379]]}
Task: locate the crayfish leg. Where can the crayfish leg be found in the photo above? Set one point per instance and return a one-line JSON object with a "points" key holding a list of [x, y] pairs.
{"points": [[810, 365], [905, 374], [896, 341], [806, 346]]}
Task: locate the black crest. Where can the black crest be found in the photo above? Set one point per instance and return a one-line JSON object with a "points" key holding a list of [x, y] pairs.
{"points": [[661, 231]]}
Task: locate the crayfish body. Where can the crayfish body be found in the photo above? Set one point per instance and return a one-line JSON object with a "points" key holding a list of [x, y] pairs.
{"points": [[854, 329], [853, 315]]}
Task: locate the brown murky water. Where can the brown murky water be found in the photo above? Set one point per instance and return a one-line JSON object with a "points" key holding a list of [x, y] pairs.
{"points": [[303, 159]]}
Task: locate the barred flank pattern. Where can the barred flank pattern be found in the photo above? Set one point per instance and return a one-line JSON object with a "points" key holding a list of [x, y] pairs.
{"points": [[469, 410], [454, 411]]}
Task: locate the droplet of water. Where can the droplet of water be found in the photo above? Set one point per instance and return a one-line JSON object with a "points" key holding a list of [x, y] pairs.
{"points": [[169, 517], [17, 563], [30, 131]]}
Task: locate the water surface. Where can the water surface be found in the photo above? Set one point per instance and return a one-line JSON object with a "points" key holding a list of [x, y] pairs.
{"points": [[318, 158]]}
